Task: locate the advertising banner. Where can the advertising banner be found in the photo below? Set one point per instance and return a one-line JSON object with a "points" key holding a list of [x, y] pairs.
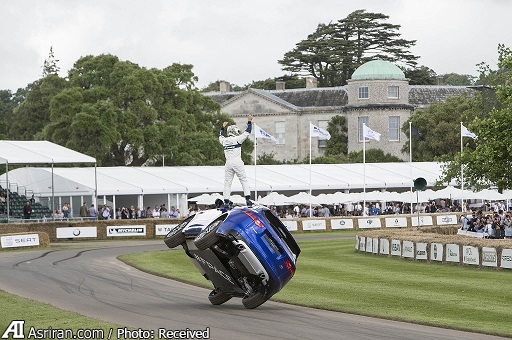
{"points": [[396, 222], [163, 229], [375, 245], [369, 244], [77, 232], [489, 257], [291, 225], [313, 225], [362, 243], [343, 223], [384, 246], [506, 258], [421, 251], [422, 220], [132, 230], [447, 220], [436, 252], [471, 255], [408, 249], [452, 252], [12, 241], [396, 249], [367, 223]]}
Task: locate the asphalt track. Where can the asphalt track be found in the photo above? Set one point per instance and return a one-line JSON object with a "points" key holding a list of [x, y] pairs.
{"points": [[92, 282]]}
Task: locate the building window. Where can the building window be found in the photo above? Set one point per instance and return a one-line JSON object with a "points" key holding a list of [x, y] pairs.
{"points": [[393, 92], [360, 121], [363, 92], [280, 132], [394, 128], [323, 125]]}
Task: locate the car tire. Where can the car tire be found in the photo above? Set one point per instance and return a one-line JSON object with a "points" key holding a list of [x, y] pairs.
{"points": [[254, 300], [175, 237], [208, 236], [217, 297]]}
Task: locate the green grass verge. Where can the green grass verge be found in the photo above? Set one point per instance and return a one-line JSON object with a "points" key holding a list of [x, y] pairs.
{"points": [[42, 316], [332, 275]]}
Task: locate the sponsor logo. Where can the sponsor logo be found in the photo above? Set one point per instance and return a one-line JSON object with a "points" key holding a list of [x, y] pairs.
{"points": [[447, 219], [453, 253], [408, 249], [212, 267], [506, 258], [469, 252], [489, 256], [435, 251], [342, 222], [76, 232], [421, 253], [369, 221], [126, 230], [395, 247]]}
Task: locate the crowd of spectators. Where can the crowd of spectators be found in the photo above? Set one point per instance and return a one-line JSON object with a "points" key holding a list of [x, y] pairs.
{"points": [[492, 220]]}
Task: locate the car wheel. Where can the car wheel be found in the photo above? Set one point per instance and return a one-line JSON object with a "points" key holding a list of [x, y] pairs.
{"points": [[254, 300], [208, 236], [217, 297], [175, 237]]}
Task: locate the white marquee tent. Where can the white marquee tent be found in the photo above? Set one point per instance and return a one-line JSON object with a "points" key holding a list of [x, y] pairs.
{"points": [[41, 153]]}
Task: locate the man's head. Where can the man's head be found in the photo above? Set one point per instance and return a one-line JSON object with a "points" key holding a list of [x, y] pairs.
{"points": [[233, 130]]}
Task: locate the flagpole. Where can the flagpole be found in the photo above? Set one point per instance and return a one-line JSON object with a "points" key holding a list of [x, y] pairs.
{"points": [[410, 161], [310, 211], [461, 171], [364, 171]]}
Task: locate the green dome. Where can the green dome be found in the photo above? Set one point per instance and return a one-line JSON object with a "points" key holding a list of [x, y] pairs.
{"points": [[378, 69]]}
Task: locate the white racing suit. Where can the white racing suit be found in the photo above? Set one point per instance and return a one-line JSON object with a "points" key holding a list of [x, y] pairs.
{"points": [[234, 165]]}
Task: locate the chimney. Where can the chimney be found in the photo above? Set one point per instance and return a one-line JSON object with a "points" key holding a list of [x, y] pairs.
{"points": [[311, 83], [225, 86], [440, 80], [280, 85]]}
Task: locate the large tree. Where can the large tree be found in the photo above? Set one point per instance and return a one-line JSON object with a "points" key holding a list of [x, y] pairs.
{"points": [[333, 52], [124, 114], [490, 161], [439, 125], [338, 144]]}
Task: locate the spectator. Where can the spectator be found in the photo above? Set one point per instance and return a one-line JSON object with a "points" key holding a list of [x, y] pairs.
{"points": [[65, 210], [105, 213], [164, 213], [156, 212], [93, 213], [507, 223], [464, 222], [83, 210], [174, 213], [488, 230], [124, 213], [27, 211]]}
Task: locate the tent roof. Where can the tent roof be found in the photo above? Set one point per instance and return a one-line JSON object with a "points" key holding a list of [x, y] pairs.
{"points": [[210, 179], [39, 152]]}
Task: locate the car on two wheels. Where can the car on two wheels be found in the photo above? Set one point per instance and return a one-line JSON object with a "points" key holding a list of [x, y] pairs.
{"points": [[244, 252]]}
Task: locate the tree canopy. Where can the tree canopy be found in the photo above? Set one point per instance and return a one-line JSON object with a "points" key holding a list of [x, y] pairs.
{"points": [[334, 51], [124, 114], [488, 162]]}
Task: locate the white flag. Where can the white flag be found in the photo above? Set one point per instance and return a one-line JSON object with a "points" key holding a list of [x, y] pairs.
{"points": [[466, 133], [260, 133], [370, 134], [315, 131]]}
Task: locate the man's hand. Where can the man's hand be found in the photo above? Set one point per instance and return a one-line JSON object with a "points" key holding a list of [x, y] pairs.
{"points": [[224, 124], [249, 117]]}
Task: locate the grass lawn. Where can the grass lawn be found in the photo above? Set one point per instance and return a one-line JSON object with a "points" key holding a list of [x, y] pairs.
{"points": [[41, 316], [332, 275]]}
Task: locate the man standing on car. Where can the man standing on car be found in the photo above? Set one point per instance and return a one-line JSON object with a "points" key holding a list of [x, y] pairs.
{"points": [[232, 145]]}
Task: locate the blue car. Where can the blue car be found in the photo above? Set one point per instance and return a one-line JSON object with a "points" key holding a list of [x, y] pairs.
{"points": [[244, 252]]}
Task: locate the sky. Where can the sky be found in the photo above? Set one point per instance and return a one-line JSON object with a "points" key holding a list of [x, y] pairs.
{"points": [[237, 41]]}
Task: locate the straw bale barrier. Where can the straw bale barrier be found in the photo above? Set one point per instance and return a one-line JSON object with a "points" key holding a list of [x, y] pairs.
{"points": [[440, 244]]}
